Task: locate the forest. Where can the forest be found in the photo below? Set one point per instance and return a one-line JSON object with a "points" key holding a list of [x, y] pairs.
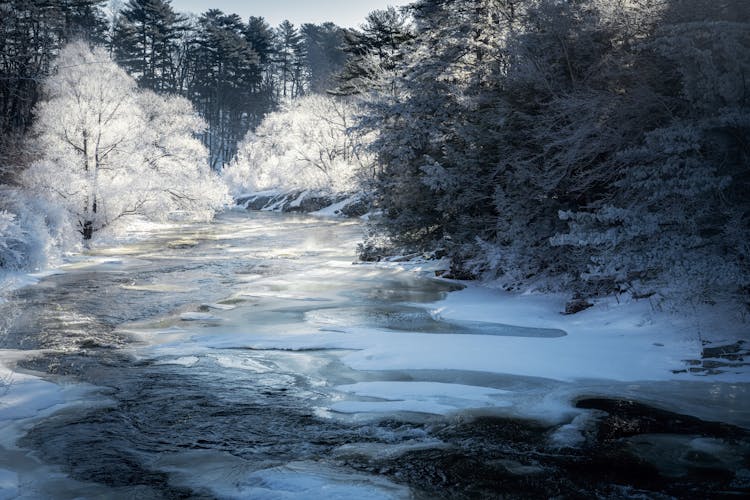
{"points": [[596, 147]]}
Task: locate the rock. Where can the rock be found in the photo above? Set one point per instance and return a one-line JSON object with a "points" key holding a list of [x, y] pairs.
{"points": [[256, 202], [304, 202], [314, 203], [577, 305], [357, 208]]}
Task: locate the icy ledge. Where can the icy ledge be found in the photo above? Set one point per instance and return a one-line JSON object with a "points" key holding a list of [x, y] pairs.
{"points": [[619, 342]]}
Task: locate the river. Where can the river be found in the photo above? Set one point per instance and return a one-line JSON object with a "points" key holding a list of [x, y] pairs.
{"points": [[175, 403]]}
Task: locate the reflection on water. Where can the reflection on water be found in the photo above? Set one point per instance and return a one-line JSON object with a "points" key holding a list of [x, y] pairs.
{"points": [[179, 416]]}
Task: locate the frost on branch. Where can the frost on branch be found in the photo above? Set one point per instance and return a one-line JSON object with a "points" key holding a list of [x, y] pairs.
{"points": [[310, 145], [107, 150], [678, 214], [32, 231]]}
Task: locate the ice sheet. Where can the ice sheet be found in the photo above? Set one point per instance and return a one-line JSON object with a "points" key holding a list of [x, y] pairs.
{"points": [[421, 397]]}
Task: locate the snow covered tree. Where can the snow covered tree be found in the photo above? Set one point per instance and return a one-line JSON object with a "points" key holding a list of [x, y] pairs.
{"points": [[678, 217], [33, 232], [438, 128], [309, 145], [107, 150], [579, 145], [375, 52]]}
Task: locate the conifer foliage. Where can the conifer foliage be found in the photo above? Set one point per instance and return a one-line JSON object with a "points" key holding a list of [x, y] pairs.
{"points": [[592, 146]]}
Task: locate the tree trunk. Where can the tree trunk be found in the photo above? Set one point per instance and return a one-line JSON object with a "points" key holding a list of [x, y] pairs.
{"points": [[88, 230]]}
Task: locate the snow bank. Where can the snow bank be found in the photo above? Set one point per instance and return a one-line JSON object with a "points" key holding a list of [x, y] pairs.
{"points": [[622, 343], [483, 354]]}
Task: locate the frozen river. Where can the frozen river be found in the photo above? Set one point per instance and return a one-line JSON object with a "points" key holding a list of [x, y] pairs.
{"points": [[230, 360]]}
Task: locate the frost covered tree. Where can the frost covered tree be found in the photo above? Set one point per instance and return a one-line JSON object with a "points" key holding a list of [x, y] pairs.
{"points": [[375, 52], [678, 217], [584, 146], [439, 128], [32, 231], [309, 145], [107, 150]]}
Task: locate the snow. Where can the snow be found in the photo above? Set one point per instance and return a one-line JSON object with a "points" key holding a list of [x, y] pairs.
{"points": [[243, 363], [334, 210], [297, 202], [187, 361], [11, 281], [159, 288], [302, 481], [501, 347], [220, 307], [388, 451], [9, 484], [624, 343], [25, 397]]}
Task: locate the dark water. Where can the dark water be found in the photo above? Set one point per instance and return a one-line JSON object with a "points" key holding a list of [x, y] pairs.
{"points": [[177, 415]]}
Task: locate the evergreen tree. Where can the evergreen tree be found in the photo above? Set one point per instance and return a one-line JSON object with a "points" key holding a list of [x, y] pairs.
{"points": [[31, 34], [227, 83], [84, 19], [290, 58], [438, 137], [374, 53], [145, 42], [260, 38], [677, 218], [325, 55]]}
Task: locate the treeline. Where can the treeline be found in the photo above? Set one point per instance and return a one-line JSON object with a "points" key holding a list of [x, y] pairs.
{"points": [[233, 71], [594, 146]]}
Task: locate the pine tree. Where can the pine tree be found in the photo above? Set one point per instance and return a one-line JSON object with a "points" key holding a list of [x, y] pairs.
{"points": [[227, 85], [145, 42], [290, 55], [325, 55], [31, 34], [375, 52]]}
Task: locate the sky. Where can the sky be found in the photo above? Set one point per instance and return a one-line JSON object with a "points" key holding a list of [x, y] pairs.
{"points": [[345, 13]]}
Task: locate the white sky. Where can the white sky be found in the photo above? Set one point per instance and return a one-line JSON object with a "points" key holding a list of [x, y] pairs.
{"points": [[346, 13]]}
